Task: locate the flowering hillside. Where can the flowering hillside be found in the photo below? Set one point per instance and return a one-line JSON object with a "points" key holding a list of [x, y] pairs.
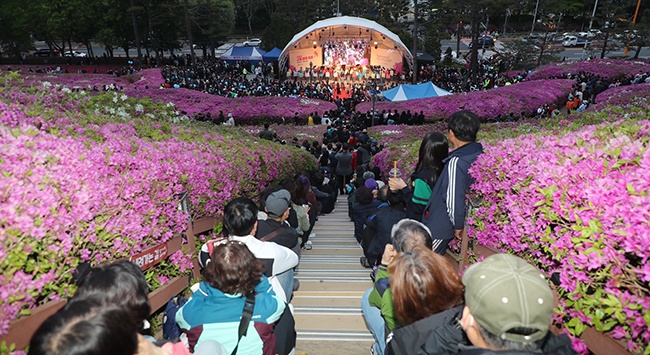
{"points": [[518, 98], [624, 96], [577, 204], [95, 177], [605, 68], [146, 84]]}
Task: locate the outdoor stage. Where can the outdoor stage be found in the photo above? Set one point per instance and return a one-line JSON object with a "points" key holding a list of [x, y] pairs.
{"points": [[345, 49]]}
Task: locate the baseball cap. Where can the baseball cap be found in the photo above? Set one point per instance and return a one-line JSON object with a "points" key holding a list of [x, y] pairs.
{"points": [[505, 292], [371, 184], [277, 203]]}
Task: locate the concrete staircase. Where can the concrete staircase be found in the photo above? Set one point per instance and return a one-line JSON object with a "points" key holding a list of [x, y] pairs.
{"points": [[328, 304]]}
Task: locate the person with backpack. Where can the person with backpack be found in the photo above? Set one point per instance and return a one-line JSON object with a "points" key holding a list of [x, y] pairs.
{"points": [[232, 287]]}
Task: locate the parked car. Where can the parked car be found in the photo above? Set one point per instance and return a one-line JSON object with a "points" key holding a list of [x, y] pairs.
{"points": [[253, 42], [45, 52], [75, 54], [486, 40], [573, 41]]}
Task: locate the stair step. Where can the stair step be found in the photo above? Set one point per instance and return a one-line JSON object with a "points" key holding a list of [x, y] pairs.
{"points": [[327, 306], [338, 344], [337, 322], [323, 259], [336, 251], [321, 278], [328, 285], [323, 335], [321, 301], [334, 272]]}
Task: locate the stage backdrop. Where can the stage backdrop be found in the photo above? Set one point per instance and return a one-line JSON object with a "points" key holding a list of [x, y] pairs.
{"points": [[302, 57], [387, 58]]}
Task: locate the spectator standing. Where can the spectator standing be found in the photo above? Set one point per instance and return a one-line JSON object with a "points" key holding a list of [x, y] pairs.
{"points": [[344, 169], [445, 212]]}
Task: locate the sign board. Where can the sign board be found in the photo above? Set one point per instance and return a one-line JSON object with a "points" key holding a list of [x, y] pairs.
{"points": [[151, 256], [387, 58], [300, 58]]}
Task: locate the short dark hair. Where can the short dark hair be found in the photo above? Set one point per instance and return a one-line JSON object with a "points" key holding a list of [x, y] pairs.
{"points": [[363, 195], [234, 270], [382, 193], [496, 342], [408, 233], [239, 216], [86, 327], [396, 199], [265, 194], [465, 125], [118, 284]]}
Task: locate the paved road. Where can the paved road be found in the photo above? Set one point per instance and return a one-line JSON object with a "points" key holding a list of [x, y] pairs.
{"points": [[569, 53]]}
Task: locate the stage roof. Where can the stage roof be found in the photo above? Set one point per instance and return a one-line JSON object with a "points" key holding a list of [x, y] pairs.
{"points": [[347, 27]]}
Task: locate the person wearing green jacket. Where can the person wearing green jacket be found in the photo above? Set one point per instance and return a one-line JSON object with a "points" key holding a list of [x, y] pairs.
{"points": [[377, 303]]}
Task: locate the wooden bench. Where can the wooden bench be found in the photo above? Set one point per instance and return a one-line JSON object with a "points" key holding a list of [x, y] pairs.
{"points": [[21, 330]]}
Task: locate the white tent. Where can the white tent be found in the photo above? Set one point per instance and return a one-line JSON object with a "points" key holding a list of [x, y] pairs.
{"points": [[252, 54], [410, 92]]}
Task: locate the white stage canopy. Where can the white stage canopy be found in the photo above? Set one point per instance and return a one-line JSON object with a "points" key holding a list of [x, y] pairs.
{"points": [[308, 44]]}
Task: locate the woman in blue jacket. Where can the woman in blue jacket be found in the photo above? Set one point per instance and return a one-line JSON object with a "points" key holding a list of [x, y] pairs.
{"points": [[215, 309]]}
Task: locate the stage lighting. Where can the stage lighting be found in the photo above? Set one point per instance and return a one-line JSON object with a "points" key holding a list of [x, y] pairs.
{"points": [[367, 30], [314, 44], [376, 45]]}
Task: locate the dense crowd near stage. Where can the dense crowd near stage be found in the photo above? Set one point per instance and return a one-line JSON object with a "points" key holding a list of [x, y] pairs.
{"points": [[237, 79]]}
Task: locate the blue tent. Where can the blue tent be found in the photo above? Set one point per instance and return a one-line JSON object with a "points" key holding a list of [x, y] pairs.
{"points": [[410, 92], [272, 55], [252, 54]]}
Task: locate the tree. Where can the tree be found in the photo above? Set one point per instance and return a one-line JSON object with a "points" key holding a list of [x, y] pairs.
{"points": [[642, 34], [212, 22], [14, 28], [249, 8]]}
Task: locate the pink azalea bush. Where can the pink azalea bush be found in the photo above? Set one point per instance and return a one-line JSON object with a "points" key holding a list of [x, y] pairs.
{"points": [[576, 202], [95, 177], [145, 84], [523, 97], [289, 132], [605, 68], [623, 96]]}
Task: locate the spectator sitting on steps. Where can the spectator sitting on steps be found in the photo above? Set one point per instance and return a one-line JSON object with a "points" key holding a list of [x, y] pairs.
{"points": [[508, 310]]}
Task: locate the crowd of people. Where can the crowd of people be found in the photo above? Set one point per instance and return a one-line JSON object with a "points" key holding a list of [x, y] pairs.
{"points": [[418, 302], [324, 82], [491, 74]]}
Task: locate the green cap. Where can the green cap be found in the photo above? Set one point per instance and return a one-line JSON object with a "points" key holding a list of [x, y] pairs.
{"points": [[505, 292]]}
